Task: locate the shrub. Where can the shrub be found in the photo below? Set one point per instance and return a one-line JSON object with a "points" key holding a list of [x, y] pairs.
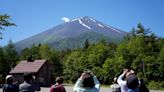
{"points": [[162, 84], [154, 85]]}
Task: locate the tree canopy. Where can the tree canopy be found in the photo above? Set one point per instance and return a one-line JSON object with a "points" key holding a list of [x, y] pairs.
{"points": [[4, 22]]}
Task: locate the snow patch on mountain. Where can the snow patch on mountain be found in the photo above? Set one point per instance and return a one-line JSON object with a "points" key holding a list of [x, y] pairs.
{"points": [[114, 29], [86, 21], [74, 20], [83, 24], [92, 19], [100, 25]]}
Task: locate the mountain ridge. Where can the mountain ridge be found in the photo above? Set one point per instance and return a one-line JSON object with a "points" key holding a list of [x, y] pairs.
{"points": [[76, 28]]}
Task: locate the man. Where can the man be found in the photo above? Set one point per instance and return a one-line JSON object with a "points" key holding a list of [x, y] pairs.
{"points": [[58, 87], [122, 82], [28, 85], [9, 86], [128, 81]]}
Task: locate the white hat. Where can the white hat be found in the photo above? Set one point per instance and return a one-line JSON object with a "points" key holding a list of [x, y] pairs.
{"points": [[115, 79], [9, 76]]}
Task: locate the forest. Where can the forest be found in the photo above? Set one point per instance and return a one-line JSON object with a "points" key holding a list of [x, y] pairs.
{"points": [[141, 50]]}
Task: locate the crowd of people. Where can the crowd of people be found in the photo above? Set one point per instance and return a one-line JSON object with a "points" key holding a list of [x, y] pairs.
{"points": [[27, 86], [88, 82]]}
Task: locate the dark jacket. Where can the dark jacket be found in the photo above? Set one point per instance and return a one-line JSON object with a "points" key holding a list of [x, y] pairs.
{"points": [[10, 88]]}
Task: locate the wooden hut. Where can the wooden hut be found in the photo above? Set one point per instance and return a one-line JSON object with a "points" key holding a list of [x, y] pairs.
{"points": [[39, 68]]}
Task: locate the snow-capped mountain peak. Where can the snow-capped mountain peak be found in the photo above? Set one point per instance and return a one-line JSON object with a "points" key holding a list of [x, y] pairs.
{"points": [[68, 34], [80, 20], [91, 23], [83, 24]]}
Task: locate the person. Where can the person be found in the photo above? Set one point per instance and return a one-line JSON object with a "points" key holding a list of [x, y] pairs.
{"points": [[132, 83], [122, 82], [9, 86], [58, 87], [28, 85], [115, 87], [128, 81], [87, 83], [143, 87]]}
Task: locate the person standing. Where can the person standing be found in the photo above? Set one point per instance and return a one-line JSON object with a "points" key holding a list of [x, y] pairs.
{"points": [[115, 87], [122, 81], [9, 86], [132, 83], [58, 87], [87, 83], [143, 87], [28, 85], [128, 81]]}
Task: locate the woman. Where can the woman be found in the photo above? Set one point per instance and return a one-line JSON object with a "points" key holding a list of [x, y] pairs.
{"points": [[87, 83]]}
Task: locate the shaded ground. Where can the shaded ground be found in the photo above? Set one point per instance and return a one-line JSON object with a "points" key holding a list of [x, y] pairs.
{"points": [[70, 89]]}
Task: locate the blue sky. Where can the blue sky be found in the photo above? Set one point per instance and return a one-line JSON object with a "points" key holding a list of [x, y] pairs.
{"points": [[35, 16]]}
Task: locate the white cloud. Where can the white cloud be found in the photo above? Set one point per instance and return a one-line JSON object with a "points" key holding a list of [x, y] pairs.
{"points": [[65, 19]]}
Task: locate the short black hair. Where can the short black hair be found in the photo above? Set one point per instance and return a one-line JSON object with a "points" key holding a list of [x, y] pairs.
{"points": [[132, 81], [27, 76], [9, 81]]}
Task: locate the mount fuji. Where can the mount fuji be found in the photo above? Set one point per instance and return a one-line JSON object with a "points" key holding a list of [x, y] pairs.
{"points": [[73, 34]]}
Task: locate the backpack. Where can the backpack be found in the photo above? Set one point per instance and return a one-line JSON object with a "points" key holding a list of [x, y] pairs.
{"points": [[59, 88]]}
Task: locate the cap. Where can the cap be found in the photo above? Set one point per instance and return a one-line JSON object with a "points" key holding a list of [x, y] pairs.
{"points": [[9, 76]]}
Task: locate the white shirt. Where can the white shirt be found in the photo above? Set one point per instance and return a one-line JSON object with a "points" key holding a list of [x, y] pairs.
{"points": [[122, 83]]}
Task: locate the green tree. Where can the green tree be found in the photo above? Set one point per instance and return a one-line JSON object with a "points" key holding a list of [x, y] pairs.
{"points": [[25, 53], [52, 56], [161, 62], [92, 58], [11, 54], [71, 66], [4, 22], [3, 65], [86, 44], [8, 58], [140, 52]]}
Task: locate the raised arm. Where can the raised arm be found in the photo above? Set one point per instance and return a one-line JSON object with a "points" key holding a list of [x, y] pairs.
{"points": [[120, 80], [79, 82], [97, 83]]}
